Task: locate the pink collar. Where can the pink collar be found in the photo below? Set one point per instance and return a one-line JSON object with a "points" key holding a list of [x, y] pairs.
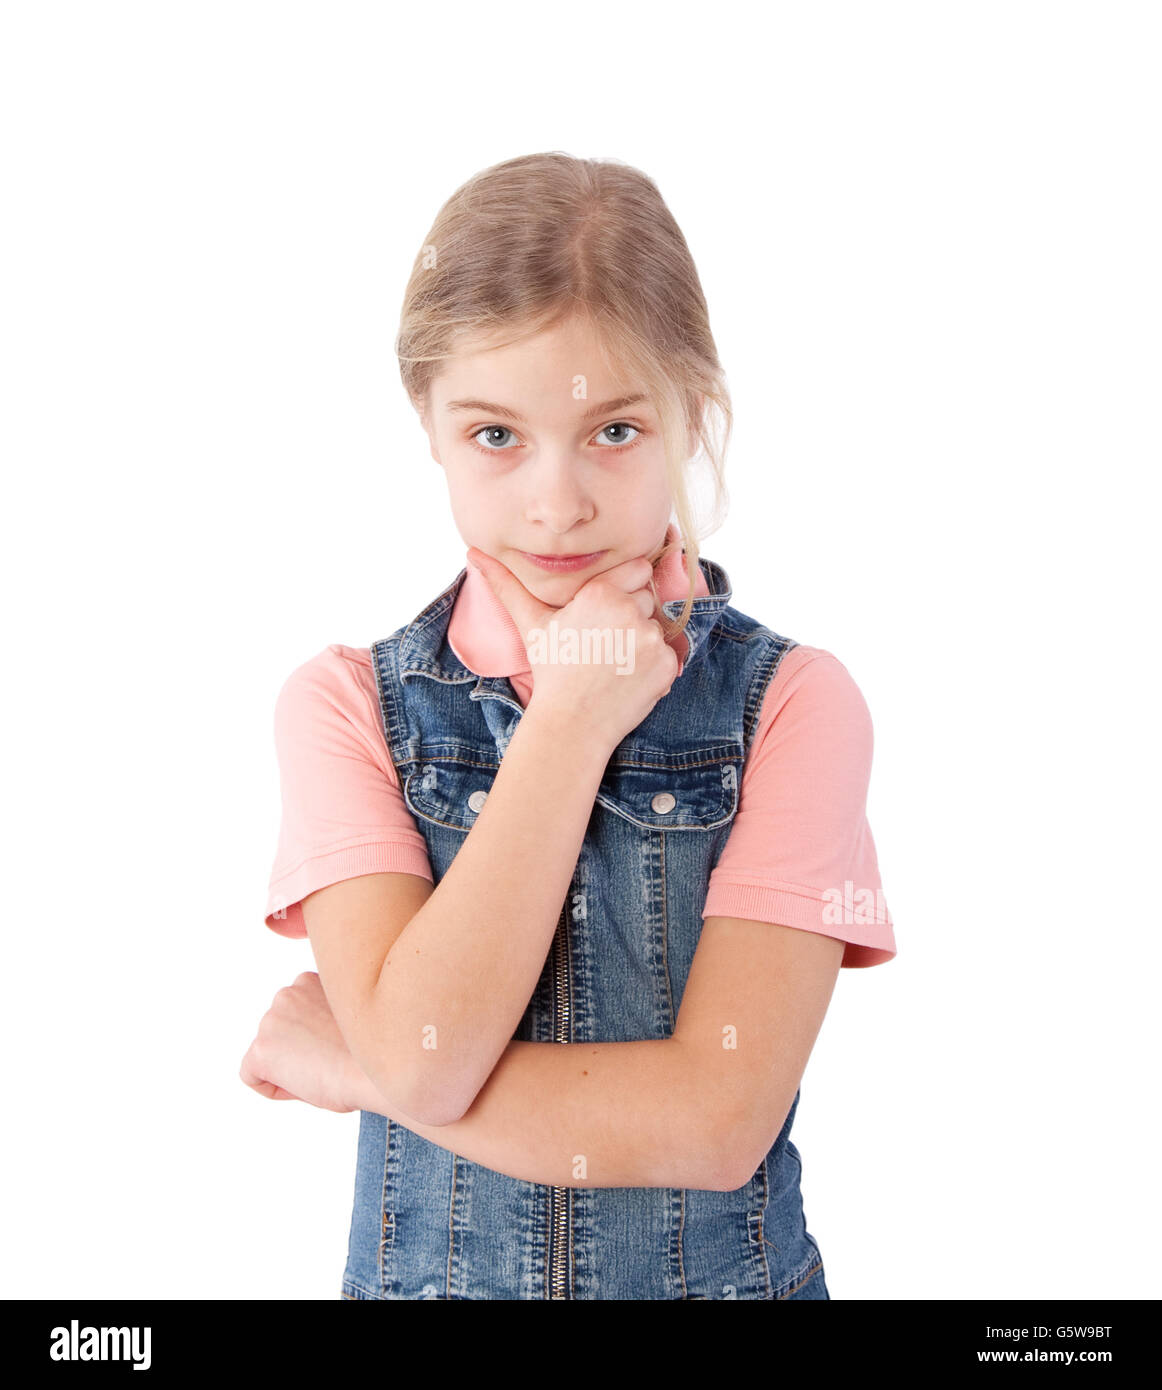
{"points": [[485, 638]]}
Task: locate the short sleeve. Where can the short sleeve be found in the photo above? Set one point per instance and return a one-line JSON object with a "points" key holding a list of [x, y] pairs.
{"points": [[800, 851], [343, 814]]}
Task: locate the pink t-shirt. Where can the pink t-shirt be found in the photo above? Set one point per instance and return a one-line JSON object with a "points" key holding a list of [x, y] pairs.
{"points": [[800, 852]]}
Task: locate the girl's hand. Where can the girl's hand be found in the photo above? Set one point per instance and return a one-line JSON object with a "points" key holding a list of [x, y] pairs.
{"points": [[611, 687], [299, 1053]]}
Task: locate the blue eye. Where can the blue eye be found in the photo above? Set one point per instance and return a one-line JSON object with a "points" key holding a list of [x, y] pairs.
{"points": [[619, 425], [499, 447], [491, 429]]}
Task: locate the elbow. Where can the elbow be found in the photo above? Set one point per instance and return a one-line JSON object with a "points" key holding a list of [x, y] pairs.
{"points": [[728, 1180], [443, 1089], [430, 1102], [421, 1091], [433, 1112], [715, 1166], [725, 1148], [734, 1159], [744, 1142]]}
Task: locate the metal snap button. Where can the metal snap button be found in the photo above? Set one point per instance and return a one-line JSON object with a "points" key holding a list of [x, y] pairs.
{"points": [[663, 802], [477, 800]]}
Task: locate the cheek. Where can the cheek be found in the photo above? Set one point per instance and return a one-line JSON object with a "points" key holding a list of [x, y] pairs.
{"points": [[477, 509], [642, 499]]}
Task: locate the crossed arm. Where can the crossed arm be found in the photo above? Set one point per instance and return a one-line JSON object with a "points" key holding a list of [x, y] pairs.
{"points": [[680, 1112], [398, 958]]}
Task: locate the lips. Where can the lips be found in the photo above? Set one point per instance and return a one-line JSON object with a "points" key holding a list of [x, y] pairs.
{"points": [[563, 562]]}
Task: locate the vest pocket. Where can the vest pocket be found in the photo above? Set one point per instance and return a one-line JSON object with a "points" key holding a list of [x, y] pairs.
{"points": [[698, 797], [450, 792], [653, 796]]}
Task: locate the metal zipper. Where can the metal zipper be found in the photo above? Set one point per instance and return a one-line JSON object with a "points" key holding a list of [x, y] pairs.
{"points": [[559, 1233]]}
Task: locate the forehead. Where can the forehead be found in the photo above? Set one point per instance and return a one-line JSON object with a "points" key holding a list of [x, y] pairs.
{"points": [[565, 363]]}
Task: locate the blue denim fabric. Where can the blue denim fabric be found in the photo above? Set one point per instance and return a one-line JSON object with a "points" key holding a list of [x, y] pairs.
{"points": [[426, 1222]]}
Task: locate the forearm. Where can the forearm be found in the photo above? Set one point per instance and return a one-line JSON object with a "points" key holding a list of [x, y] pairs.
{"points": [[625, 1114], [454, 985]]}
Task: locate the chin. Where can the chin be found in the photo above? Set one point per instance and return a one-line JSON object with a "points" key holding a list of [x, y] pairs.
{"points": [[554, 590]]}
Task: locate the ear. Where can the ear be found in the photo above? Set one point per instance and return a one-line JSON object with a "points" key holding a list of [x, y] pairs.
{"points": [[427, 428]]}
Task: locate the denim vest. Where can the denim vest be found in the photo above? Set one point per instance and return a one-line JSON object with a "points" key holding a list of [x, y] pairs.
{"points": [[426, 1222]]}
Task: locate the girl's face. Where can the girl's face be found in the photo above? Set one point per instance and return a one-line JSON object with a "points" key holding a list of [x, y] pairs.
{"points": [[544, 454]]}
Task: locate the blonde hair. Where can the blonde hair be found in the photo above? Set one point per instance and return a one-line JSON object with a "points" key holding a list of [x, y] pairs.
{"points": [[534, 241]]}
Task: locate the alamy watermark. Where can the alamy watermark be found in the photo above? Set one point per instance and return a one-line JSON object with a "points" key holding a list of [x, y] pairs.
{"points": [[77, 1343], [587, 646], [849, 906]]}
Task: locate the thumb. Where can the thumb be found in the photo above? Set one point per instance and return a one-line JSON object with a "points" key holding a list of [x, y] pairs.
{"points": [[526, 610]]}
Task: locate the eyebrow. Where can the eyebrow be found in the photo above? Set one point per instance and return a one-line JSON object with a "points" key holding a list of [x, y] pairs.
{"points": [[491, 408]]}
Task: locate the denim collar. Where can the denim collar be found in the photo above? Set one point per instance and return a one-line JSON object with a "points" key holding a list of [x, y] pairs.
{"points": [[424, 650]]}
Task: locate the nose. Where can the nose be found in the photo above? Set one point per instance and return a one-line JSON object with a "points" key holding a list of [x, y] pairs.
{"points": [[558, 500]]}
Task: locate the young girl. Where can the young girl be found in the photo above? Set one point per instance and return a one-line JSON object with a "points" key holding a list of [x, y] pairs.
{"points": [[577, 911]]}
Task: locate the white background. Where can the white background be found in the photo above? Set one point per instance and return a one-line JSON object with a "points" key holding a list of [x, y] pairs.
{"points": [[928, 235]]}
